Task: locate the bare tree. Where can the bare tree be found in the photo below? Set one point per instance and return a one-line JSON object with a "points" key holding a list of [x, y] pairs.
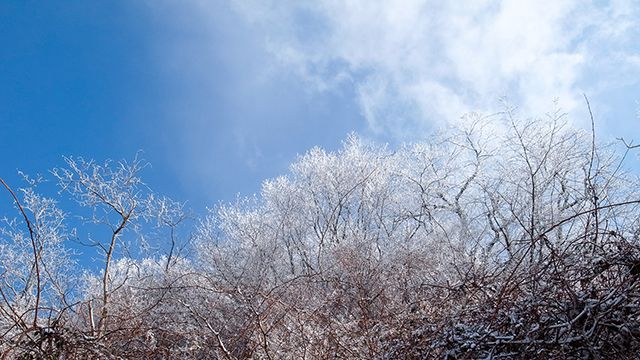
{"points": [[506, 238]]}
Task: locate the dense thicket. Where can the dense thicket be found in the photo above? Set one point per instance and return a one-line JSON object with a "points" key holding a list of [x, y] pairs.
{"points": [[504, 239]]}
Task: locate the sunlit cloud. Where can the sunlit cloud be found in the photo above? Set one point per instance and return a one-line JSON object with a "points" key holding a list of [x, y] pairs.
{"points": [[416, 63], [258, 82]]}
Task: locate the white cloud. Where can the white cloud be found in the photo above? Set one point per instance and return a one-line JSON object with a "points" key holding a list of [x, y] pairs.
{"points": [[416, 63]]}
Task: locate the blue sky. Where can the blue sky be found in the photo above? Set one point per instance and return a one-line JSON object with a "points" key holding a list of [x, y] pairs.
{"points": [[223, 94]]}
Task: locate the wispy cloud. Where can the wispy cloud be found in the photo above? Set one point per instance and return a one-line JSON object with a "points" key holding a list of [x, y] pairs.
{"points": [[416, 63], [252, 83]]}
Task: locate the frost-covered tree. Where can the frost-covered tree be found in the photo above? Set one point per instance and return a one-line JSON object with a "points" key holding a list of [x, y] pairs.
{"points": [[475, 243], [44, 313], [507, 238], [35, 273]]}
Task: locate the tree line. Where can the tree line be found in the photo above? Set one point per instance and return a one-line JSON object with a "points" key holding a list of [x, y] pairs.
{"points": [[505, 238]]}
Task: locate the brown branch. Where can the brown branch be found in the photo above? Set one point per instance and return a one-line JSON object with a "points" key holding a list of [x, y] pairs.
{"points": [[34, 247]]}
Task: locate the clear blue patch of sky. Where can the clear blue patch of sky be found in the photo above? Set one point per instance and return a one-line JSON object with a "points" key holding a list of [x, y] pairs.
{"points": [[106, 79]]}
